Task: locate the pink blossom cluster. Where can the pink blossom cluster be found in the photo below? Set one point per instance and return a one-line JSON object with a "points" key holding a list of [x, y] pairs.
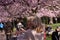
{"points": [[24, 8]]}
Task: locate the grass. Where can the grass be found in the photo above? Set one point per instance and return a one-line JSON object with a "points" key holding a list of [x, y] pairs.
{"points": [[53, 27], [48, 38]]}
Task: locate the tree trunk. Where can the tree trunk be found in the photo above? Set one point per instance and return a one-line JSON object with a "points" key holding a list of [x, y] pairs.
{"points": [[51, 20], [56, 20]]}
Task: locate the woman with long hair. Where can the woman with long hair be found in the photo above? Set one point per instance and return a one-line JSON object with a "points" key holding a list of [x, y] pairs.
{"points": [[35, 33]]}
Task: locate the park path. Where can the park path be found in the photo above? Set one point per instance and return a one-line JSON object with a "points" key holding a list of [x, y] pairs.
{"points": [[2, 36]]}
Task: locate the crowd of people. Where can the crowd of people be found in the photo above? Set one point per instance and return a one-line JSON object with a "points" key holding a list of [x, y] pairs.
{"points": [[31, 32], [55, 34], [19, 32]]}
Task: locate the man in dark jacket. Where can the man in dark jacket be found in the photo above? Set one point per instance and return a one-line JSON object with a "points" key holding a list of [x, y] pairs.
{"points": [[55, 35]]}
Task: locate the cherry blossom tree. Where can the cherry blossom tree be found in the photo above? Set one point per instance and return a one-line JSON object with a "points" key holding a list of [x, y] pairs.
{"points": [[25, 8]]}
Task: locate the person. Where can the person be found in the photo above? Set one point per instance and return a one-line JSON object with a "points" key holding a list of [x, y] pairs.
{"points": [[21, 35], [1, 26], [8, 30], [19, 24], [55, 34], [35, 33], [14, 34], [48, 28]]}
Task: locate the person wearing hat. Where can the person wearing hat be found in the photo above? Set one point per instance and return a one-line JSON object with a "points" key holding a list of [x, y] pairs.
{"points": [[21, 33], [19, 25]]}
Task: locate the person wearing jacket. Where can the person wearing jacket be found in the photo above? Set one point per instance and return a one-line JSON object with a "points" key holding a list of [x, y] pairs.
{"points": [[55, 35]]}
